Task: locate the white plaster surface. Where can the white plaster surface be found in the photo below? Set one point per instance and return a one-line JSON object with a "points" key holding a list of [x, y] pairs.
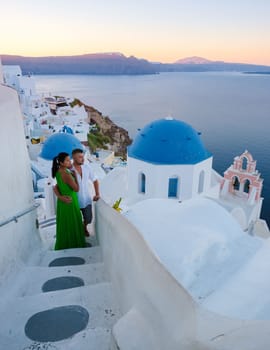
{"points": [[17, 239], [157, 311], [205, 249], [114, 185], [148, 296], [203, 246]]}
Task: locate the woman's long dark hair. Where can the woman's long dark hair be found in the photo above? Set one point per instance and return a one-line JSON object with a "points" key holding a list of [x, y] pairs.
{"points": [[56, 162]]}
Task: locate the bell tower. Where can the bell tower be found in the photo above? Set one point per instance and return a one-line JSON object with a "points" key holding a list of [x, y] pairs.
{"points": [[242, 179], [240, 193]]}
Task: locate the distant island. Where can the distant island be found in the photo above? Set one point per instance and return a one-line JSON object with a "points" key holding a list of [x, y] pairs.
{"points": [[200, 64], [119, 64], [258, 72], [193, 60]]}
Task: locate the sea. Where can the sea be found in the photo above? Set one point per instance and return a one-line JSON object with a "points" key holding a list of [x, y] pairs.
{"points": [[231, 110]]}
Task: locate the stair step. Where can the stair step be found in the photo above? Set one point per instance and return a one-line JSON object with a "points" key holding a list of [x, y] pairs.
{"points": [[96, 299], [90, 255], [42, 222], [89, 339], [33, 278]]}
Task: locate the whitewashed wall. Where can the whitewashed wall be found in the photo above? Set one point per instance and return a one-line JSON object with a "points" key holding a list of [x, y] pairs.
{"points": [[18, 240], [11, 75], [157, 311], [157, 178], [155, 307], [28, 85]]}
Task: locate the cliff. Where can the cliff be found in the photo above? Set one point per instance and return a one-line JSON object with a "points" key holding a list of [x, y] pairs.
{"points": [[118, 64], [107, 131], [95, 64]]}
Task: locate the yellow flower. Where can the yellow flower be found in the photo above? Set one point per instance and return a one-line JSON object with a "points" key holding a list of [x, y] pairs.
{"points": [[116, 205]]}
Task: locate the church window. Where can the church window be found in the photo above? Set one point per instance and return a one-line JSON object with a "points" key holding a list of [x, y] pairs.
{"points": [[236, 183], [173, 187], [246, 186], [142, 181], [201, 182], [244, 163]]}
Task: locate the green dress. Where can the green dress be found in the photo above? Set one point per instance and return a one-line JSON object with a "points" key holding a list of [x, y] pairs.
{"points": [[69, 225]]}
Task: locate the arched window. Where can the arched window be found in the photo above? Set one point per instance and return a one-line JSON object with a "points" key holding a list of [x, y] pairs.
{"points": [[246, 186], [236, 183], [244, 163], [173, 187], [201, 182], [142, 181]]}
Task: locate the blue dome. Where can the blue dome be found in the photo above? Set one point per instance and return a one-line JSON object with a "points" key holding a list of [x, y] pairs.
{"points": [[59, 142], [168, 141], [68, 130]]}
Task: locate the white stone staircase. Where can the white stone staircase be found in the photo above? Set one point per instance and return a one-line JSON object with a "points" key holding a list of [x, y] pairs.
{"points": [[25, 298]]}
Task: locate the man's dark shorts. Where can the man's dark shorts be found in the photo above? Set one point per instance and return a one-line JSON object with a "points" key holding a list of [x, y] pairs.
{"points": [[87, 214]]}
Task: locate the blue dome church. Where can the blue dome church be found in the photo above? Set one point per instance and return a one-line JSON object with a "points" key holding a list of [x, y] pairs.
{"points": [[167, 159], [60, 142]]}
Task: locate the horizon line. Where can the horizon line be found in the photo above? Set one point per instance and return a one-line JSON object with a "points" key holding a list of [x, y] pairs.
{"points": [[132, 55]]}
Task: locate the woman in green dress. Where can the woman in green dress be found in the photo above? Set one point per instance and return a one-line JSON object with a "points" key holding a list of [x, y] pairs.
{"points": [[69, 226]]}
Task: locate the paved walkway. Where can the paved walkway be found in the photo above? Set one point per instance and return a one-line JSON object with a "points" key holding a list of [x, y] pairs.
{"points": [[59, 300]]}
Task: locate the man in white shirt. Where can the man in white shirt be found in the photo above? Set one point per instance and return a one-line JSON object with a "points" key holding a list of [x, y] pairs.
{"points": [[84, 173]]}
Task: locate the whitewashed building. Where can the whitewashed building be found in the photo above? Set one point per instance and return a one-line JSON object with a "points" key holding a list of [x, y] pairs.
{"points": [[32, 104], [168, 160]]}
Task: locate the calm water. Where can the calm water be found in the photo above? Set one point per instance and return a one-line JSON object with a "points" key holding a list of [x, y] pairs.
{"points": [[232, 110]]}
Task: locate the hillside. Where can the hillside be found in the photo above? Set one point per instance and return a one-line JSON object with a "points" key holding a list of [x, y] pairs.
{"points": [[108, 131], [100, 64], [187, 65], [119, 64]]}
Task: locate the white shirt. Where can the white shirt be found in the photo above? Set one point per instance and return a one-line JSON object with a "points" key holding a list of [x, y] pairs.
{"points": [[83, 181]]}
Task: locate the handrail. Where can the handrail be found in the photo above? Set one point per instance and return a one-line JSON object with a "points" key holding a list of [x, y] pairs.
{"points": [[18, 215]]}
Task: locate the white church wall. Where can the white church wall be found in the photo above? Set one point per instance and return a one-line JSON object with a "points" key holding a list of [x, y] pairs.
{"points": [[157, 179], [255, 213], [205, 168], [18, 239], [215, 182]]}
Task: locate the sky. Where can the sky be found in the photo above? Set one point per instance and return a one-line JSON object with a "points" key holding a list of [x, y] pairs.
{"points": [[158, 30]]}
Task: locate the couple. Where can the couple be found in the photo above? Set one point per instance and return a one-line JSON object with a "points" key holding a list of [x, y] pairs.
{"points": [[70, 231]]}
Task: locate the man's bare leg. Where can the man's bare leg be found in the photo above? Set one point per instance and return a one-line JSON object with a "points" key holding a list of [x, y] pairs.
{"points": [[86, 232]]}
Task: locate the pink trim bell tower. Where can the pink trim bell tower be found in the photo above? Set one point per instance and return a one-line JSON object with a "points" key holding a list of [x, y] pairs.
{"points": [[242, 179]]}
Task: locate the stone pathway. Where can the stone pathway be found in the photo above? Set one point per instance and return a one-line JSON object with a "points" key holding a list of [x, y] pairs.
{"points": [[60, 300]]}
